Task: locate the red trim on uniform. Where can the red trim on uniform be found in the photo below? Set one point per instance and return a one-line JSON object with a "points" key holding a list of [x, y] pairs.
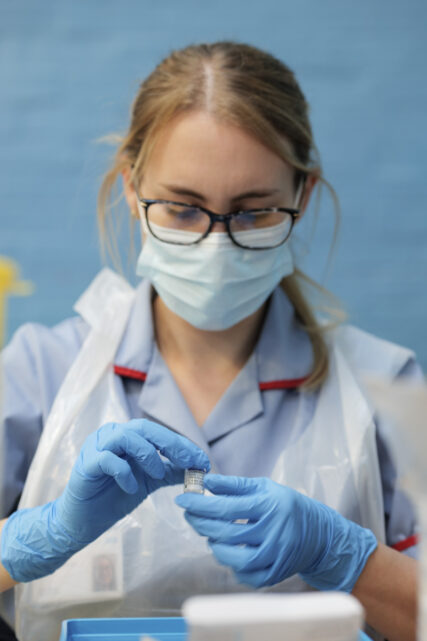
{"points": [[290, 383], [130, 373], [400, 546]]}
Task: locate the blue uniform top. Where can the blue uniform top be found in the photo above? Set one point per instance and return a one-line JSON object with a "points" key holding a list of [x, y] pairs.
{"points": [[235, 433]]}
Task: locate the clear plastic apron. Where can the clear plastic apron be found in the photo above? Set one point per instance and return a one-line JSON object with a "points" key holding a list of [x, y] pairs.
{"points": [[148, 563]]}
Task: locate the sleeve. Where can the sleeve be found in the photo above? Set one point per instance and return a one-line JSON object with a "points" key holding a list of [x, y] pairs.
{"points": [[400, 517], [33, 366]]}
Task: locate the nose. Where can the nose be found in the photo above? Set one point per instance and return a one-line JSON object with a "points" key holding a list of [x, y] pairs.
{"points": [[218, 227]]}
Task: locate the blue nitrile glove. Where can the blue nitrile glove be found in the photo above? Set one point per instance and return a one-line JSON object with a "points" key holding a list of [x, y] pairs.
{"points": [[117, 468], [286, 533]]}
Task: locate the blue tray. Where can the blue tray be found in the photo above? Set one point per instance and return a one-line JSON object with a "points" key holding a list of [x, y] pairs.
{"points": [[163, 629]]}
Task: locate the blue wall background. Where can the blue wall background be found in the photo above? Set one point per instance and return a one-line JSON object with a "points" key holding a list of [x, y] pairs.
{"points": [[69, 71]]}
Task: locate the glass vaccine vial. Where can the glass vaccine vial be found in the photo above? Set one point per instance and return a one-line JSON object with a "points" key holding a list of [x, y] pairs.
{"points": [[193, 481]]}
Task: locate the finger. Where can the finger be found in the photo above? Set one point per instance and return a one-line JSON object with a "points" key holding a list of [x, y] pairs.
{"points": [[226, 508], [225, 531], [121, 441], [173, 474], [238, 558], [256, 579], [119, 469], [266, 557], [231, 485], [268, 575], [180, 450]]}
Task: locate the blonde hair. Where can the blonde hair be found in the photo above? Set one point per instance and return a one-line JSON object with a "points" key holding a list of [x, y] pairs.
{"points": [[245, 86]]}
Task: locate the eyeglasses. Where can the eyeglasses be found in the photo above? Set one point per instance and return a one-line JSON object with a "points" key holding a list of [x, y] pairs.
{"points": [[182, 224]]}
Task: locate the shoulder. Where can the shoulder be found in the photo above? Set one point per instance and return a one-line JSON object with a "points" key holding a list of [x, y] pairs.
{"points": [[37, 358], [369, 353], [32, 341]]}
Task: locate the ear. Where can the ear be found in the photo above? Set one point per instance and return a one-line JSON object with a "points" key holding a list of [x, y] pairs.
{"points": [[310, 183], [129, 191]]}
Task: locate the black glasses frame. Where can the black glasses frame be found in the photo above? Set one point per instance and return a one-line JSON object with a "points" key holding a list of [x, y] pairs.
{"points": [[220, 218]]}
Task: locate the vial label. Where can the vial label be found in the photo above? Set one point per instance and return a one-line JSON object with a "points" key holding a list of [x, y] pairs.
{"points": [[193, 481]]}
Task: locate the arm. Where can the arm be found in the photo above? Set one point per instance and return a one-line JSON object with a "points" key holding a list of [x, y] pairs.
{"points": [[118, 467], [387, 589], [33, 366], [6, 581]]}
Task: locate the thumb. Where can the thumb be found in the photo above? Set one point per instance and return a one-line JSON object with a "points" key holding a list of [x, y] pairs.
{"points": [[174, 475], [231, 485]]}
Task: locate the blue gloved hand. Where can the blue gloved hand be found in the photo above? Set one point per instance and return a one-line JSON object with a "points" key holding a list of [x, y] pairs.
{"points": [[286, 533], [118, 466]]}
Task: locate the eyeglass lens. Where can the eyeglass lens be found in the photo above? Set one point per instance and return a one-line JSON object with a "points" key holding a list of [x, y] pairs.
{"points": [[263, 229]]}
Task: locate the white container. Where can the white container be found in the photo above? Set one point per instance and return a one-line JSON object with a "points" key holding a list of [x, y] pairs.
{"points": [[312, 616]]}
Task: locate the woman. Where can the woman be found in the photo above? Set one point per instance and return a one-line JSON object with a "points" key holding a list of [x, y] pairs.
{"points": [[220, 345]]}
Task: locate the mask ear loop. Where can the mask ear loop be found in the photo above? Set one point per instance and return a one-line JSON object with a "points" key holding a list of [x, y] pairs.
{"points": [[144, 226], [141, 212], [300, 191]]}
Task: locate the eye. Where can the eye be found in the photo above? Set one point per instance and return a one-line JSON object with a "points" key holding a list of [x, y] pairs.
{"points": [[189, 213], [184, 216], [182, 211], [246, 220]]}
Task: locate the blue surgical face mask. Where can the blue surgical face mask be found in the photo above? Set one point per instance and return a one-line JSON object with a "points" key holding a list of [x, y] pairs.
{"points": [[213, 284]]}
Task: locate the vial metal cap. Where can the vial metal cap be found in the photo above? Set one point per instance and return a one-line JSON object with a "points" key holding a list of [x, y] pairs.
{"points": [[193, 481]]}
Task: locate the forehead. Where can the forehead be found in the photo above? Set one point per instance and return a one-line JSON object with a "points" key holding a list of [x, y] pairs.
{"points": [[196, 148]]}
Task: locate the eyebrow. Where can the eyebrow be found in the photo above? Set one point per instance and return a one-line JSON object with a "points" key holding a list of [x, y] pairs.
{"points": [[184, 191]]}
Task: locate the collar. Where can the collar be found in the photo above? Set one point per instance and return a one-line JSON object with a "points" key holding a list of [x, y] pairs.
{"points": [[283, 352], [136, 349]]}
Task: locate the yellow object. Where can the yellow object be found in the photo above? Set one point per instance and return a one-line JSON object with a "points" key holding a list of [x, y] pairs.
{"points": [[10, 285]]}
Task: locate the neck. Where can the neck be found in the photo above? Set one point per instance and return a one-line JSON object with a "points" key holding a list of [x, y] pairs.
{"points": [[213, 350]]}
